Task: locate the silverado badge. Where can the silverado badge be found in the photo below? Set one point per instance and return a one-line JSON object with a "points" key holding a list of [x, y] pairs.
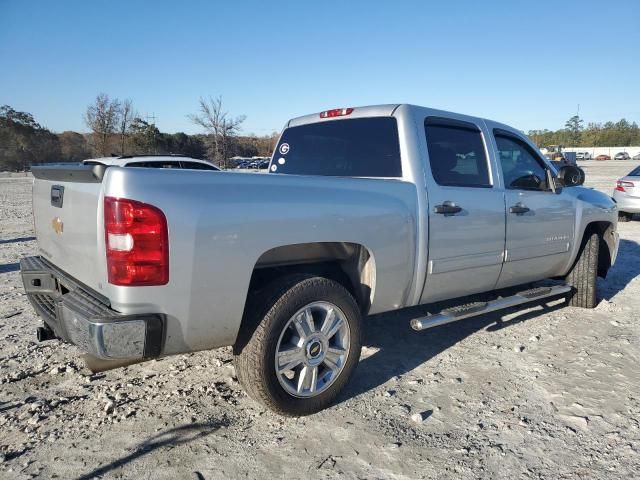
{"points": [[57, 225]]}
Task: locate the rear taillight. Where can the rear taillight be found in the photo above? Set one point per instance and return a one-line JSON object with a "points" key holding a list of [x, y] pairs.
{"points": [[137, 243], [620, 185], [336, 112]]}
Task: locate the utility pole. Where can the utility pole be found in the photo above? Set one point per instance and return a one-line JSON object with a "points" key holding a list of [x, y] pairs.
{"points": [[151, 119]]}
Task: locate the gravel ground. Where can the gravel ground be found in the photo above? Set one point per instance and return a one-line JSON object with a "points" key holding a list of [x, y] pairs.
{"points": [[545, 392]]}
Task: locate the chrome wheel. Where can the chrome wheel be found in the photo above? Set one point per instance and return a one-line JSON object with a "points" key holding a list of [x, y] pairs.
{"points": [[312, 349]]}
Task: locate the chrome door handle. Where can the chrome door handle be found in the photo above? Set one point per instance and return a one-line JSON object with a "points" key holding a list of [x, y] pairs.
{"points": [[447, 208], [519, 209]]}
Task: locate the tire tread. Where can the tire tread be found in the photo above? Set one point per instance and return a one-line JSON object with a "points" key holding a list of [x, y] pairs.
{"points": [[583, 276]]}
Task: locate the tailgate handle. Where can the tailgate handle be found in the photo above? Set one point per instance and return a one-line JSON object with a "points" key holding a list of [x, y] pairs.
{"points": [[57, 195]]}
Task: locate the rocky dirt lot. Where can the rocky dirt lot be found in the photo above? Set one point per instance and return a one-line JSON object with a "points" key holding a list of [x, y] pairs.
{"points": [[544, 392]]}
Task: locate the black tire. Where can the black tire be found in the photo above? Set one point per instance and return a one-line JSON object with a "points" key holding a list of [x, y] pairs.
{"points": [[625, 217], [267, 314], [583, 276]]}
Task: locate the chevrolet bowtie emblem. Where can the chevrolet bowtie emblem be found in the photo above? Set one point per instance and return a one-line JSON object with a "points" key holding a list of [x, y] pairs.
{"points": [[57, 225]]}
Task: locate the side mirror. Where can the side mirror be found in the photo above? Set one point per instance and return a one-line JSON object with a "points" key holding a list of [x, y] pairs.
{"points": [[570, 176]]}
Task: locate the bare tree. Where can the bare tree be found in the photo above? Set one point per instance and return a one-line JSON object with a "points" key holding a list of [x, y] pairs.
{"points": [[102, 118], [220, 127], [124, 123]]}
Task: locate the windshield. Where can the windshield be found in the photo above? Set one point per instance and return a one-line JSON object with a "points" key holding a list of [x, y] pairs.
{"points": [[359, 147], [635, 172]]}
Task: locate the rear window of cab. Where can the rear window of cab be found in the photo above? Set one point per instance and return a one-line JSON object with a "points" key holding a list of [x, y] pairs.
{"points": [[357, 147]]}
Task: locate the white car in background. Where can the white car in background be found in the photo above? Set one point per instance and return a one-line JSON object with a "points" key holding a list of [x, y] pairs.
{"points": [[622, 156], [627, 195], [583, 156], [153, 161]]}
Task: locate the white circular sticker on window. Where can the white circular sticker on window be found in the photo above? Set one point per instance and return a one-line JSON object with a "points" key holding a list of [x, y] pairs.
{"points": [[284, 148], [274, 168], [281, 161]]}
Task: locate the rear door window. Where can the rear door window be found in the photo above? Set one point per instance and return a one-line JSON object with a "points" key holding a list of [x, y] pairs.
{"points": [[456, 154], [359, 147]]}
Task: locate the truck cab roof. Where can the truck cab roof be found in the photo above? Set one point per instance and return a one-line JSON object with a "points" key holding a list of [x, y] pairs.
{"points": [[387, 110]]}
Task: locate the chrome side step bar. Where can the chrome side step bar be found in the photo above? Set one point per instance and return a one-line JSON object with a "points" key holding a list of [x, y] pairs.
{"points": [[479, 308]]}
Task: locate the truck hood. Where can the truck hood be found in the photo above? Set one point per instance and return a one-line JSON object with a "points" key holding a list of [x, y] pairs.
{"points": [[592, 197]]}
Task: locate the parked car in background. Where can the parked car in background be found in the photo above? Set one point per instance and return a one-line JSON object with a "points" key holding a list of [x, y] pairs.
{"points": [[622, 156], [258, 164], [153, 161], [583, 156], [627, 195], [603, 157], [636, 157]]}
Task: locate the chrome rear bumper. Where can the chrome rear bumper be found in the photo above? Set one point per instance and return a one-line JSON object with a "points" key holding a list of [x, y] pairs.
{"points": [[81, 316]]}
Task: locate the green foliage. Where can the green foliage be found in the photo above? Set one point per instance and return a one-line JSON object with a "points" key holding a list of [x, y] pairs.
{"points": [[610, 134], [191, 145], [74, 147], [24, 142], [144, 136], [574, 128]]}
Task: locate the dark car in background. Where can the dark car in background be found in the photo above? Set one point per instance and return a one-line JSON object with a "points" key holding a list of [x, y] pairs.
{"points": [[254, 164]]}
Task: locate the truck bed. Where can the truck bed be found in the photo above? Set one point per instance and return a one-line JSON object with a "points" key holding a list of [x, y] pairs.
{"points": [[220, 225]]}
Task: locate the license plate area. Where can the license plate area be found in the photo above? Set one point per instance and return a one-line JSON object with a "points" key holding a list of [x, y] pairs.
{"points": [[57, 195]]}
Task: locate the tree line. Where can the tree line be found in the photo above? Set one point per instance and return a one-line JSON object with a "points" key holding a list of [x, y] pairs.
{"points": [[575, 134], [116, 128]]}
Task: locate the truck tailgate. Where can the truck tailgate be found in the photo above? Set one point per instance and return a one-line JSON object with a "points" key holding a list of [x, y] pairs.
{"points": [[68, 223]]}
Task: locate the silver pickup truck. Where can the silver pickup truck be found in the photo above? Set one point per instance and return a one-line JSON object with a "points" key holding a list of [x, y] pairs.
{"points": [[364, 210]]}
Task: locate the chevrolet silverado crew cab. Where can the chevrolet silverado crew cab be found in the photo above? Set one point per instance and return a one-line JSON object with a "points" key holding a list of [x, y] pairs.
{"points": [[364, 210]]}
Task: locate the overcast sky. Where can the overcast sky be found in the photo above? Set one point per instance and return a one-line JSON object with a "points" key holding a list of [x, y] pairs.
{"points": [[528, 64]]}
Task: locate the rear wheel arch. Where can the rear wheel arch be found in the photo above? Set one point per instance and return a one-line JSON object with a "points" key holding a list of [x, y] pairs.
{"points": [[350, 264]]}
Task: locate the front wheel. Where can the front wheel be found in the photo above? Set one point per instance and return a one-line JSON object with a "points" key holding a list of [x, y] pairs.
{"points": [[301, 347], [584, 274]]}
